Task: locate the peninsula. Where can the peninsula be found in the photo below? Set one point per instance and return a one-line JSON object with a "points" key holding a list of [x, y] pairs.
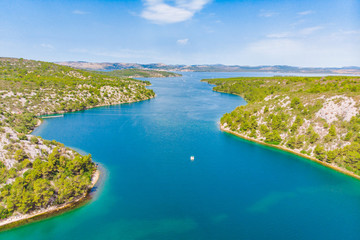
{"points": [[314, 117], [37, 175]]}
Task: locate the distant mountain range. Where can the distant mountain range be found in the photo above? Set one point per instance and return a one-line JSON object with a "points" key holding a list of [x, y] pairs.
{"points": [[209, 68]]}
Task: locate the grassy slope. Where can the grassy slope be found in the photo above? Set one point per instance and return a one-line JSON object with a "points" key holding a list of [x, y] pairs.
{"points": [[316, 116], [36, 173]]}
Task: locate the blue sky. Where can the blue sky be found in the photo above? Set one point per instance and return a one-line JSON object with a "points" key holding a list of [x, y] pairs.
{"points": [[301, 33]]}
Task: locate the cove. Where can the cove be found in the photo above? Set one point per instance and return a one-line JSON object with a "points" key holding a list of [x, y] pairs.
{"points": [[234, 189]]}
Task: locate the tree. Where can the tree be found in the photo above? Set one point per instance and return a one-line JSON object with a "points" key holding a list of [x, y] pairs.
{"points": [[42, 192], [26, 203], [314, 138], [331, 135], [348, 136], [34, 140], [20, 155], [264, 129], [294, 127], [266, 109], [332, 131], [4, 212], [320, 152], [273, 137], [331, 155], [253, 133], [295, 102], [291, 142]]}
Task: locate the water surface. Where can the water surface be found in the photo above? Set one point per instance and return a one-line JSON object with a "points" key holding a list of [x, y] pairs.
{"points": [[234, 189]]}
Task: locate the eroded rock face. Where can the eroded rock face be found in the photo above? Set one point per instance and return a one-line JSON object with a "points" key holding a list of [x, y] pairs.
{"points": [[338, 107]]}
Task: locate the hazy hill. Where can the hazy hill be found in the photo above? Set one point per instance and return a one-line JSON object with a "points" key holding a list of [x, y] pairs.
{"points": [[211, 68], [139, 73]]}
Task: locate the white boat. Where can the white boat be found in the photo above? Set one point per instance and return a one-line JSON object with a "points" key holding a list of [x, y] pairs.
{"points": [[192, 158]]}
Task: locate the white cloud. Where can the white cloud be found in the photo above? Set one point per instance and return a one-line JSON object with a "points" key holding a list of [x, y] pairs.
{"points": [[309, 30], [301, 33], [47, 45], [267, 13], [281, 48], [278, 35], [79, 50], [325, 50], [79, 12], [182, 41], [297, 23], [160, 12], [305, 12], [120, 54], [350, 32]]}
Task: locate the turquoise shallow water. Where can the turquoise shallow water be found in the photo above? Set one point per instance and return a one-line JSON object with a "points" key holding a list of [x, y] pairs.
{"points": [[233, 190]]}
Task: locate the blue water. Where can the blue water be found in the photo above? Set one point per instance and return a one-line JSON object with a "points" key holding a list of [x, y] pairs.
{"points": [[233, 190]]}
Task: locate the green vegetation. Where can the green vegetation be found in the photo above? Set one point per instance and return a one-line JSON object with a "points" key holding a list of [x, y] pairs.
{"points": [[43, 88], [48, 180], [36, 173], [316, 116], [34, 88]]}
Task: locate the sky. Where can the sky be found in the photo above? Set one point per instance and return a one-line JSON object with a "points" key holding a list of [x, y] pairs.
{"points": [[307, 33]]}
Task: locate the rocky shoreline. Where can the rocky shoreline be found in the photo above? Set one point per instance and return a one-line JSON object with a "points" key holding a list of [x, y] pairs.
{"points": [[39, 176], [332, 166], [15, 221]]}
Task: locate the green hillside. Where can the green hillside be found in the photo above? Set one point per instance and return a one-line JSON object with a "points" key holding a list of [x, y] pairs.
{"points": [[36, 173], [315, 116]]}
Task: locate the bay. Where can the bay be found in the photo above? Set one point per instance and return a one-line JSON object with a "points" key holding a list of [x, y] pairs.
{"points": [[234, 189]]}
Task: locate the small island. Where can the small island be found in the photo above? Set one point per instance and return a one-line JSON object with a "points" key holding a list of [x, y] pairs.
{"points": [[314, 117], [39, 176]]}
